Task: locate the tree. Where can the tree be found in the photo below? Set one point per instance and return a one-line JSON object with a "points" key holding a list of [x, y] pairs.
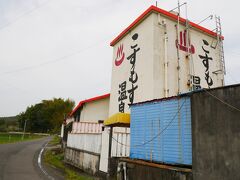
{"points": [[46, 116], [3, 126]]}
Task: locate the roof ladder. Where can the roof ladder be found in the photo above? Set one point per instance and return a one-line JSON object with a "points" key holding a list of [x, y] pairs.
{"points": [[220, 42]]}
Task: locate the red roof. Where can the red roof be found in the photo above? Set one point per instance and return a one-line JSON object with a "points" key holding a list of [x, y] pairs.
{"points": [[88, 100], [165, 13]]}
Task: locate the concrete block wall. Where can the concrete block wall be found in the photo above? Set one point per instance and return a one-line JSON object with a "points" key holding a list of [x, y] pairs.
{"points": [[216, 134]]}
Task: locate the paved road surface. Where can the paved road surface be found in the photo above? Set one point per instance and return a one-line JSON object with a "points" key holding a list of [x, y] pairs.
{"points": [[18, 161]]}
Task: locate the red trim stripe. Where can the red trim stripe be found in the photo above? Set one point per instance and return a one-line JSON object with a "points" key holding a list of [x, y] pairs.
{"points": [[165, 13]]}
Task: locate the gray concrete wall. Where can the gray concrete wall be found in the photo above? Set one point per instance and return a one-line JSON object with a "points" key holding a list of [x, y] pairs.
{"points": [[216, 134]]}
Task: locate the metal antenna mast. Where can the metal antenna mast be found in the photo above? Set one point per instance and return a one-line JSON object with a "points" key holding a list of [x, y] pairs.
{"points": [[178, 55], [220, 42], [209, 17]]}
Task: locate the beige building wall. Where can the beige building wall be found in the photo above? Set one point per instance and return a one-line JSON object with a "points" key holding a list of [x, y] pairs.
{"points": [[95, 110]]}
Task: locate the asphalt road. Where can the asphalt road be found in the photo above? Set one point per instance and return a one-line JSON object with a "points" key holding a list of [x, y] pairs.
{"points": [[19, 161]]}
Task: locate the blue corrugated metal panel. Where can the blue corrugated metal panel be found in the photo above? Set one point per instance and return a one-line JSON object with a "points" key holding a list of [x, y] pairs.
{"points": [[161, 131]]}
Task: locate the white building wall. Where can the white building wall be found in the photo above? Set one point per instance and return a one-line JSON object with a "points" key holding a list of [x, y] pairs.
{"points": [[151, 59], [143, 66], [87, 142], [95, 110], [192, 65]]}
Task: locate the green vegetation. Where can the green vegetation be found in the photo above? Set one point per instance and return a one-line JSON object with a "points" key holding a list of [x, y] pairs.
{"points": [[55, 157], [9, 124], [56, 140], [11, 138], [45, 117], [72, 175]]}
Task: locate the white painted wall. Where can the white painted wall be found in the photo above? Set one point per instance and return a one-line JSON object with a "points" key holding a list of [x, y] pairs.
{"points": [[188, 66], [95, 110], [87, 142], [86, 127], [120, 145], [144, 65], [121, 142], [103, 165], [150, 62]]}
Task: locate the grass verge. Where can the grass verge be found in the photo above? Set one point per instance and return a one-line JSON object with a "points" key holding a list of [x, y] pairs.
{"points": [[12, 138], [55, 157], [55, 141]]}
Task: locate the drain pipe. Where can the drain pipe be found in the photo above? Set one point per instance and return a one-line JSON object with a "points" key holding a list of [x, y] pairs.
{"points": [[110, 149], [165, 61], [125, 171]]}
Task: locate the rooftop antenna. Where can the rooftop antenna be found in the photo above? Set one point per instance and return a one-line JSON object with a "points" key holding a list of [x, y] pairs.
{"points": [[209, 17], [178, 6], [156, 4], [220, 42]]}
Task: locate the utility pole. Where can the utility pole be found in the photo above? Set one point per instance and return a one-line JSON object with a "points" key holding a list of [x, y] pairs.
{"points": [[24, 129]]}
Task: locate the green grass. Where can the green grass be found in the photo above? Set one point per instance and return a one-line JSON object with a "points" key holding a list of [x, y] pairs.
{"points": [[12, 138], [54, 157], [71, 175], [56, 140]]}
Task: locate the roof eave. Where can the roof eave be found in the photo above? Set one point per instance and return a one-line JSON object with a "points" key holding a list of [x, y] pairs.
{"points": [[151, 9], [81, 103]]}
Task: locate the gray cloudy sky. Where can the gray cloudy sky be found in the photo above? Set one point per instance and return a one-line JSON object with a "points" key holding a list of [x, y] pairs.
{"points": [[60, 48]]}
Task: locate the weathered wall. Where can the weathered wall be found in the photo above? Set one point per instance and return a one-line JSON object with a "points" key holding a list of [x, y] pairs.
{"points": [[145, 172], [216, 134], [88, 162]]}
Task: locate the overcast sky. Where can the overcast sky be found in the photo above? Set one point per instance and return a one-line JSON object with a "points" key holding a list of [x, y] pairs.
{"points": [[60, 48]]}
